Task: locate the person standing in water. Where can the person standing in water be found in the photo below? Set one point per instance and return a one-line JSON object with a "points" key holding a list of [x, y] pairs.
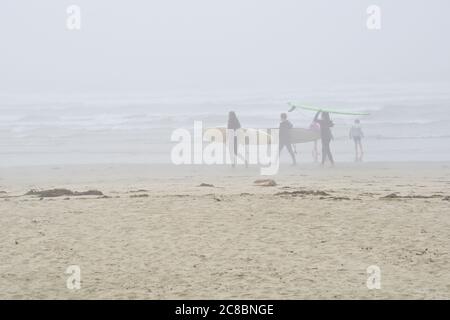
{"points": [[285, 136], [357, 135], [233, 126], [325, 135]]}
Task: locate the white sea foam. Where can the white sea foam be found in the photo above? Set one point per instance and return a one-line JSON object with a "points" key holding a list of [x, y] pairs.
{"points": [[131, 128]]}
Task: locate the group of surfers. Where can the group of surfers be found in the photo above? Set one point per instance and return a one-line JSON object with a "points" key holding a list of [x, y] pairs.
{"points": [[322, 122]]}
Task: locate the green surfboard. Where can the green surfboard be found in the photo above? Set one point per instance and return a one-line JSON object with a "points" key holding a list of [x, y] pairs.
{"points": [[310, 108]]}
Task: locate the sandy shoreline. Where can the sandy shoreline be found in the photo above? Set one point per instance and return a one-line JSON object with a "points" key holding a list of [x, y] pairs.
{"points": [[158, 235]]}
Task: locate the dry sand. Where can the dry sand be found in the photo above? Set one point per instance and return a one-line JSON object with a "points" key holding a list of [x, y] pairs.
{"points": [[158, 235]]}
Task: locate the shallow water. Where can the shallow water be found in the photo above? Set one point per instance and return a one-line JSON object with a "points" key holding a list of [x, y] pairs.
{"points": [[407, 123]]}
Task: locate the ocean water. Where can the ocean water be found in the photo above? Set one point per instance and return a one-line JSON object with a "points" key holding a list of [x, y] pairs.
{"points": [[406, 123]]}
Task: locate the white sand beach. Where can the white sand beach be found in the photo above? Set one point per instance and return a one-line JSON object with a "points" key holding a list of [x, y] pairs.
{"points": [[156, 234]]}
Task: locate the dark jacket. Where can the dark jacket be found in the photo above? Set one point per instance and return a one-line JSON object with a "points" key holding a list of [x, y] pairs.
{"points": [[285, 132], [325, 127], [234, 124]]}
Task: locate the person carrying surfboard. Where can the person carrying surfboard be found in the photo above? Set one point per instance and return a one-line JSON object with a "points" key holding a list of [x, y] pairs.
{"points": [[233, 126], [285, 137], [325, 135]]}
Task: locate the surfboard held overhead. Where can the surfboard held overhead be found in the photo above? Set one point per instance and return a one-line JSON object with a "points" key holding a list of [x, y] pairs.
{"points": [[334, 111]]}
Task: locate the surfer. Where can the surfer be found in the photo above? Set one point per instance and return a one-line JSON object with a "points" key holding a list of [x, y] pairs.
{"points": [[233, 126], [357, 135], [285, 136], [325, 135]]}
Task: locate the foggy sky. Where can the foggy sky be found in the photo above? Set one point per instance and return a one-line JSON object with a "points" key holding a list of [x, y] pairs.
{"points": [[219, 45]]}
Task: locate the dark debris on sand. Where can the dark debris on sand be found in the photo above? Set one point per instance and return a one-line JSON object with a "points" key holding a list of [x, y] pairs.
{"points": [[302, 193], [265, 183], [396, 196], [340, 198], [139, 196], [53, 193], [207, 185]]}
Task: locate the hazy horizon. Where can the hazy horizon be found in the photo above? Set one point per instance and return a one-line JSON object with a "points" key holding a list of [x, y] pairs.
{"points": [[216, 46]]}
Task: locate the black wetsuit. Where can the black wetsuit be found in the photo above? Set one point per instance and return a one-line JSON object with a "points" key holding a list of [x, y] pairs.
{"points": [[234, 124], [285, 138], [326, 136]]}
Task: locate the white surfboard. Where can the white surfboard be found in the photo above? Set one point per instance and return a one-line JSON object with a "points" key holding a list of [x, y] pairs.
{"points": [[262, 136]]}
